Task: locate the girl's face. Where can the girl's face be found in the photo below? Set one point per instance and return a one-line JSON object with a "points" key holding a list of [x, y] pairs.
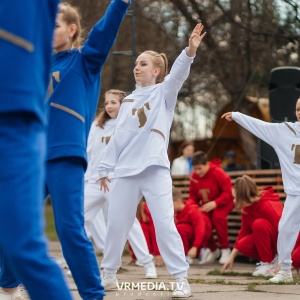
{"points": [[144, 72], [62, 38], [298, 110], [112, 105]]}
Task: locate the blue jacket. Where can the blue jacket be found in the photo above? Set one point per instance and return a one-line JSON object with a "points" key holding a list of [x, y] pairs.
{"points": [[26, 31], [75, 85]]}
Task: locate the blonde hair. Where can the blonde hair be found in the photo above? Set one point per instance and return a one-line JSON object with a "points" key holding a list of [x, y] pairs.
{"points": [[71, 15], [103, 116], [245, 189], [160, 61]]}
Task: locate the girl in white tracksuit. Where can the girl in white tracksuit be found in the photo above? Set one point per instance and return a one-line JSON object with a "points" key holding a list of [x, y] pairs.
{"points": [[96, 201], [137, 152], [285, 139]]}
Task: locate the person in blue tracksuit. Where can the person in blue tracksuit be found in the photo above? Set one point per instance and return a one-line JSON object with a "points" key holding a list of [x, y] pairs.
{"points": [[72, 100], [26, 29]]}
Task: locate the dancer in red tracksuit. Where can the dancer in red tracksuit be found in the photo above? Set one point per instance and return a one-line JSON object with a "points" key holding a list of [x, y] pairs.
{"points": [[145, 218], [193, 225], [210, 188], [257, 237]]}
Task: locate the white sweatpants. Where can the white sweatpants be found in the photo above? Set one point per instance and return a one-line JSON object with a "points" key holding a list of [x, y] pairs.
{"points": [[289, 226], [98, 230], [96, 205], [155, 184]]}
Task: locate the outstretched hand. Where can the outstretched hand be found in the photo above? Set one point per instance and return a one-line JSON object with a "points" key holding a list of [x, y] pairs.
{"points": [[227, 116], [195, 40]]}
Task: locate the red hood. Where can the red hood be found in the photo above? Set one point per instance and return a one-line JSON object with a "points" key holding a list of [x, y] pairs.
{"points": [[216, 162], [268, 193]]}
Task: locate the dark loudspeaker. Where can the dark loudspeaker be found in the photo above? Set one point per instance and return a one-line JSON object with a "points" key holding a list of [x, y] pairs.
{"points": [[284, 91], [267, 158]]}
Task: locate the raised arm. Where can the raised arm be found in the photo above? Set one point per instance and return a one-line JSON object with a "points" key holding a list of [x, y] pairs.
{"points": [[263, 130], [181, 67], [102, 37]]}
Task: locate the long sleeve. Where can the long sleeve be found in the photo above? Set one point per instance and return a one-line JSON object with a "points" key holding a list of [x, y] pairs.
{"points": [[102, 37], [198, 225], [174, 81], [193, 194], [118, 141], [263, 130], [225, 186]]}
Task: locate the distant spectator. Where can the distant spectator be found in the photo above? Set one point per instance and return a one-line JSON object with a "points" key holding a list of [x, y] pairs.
{"points": [[183, 164], [230, 162]]}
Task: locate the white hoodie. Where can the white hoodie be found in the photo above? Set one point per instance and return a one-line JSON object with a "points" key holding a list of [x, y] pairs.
{"points": [[143, 125], [285, 139], [97, 141]]}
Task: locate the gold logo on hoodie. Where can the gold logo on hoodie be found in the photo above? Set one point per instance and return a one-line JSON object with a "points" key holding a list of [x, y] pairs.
{"points": [[140, 112], [105, 139], [297, 154]]}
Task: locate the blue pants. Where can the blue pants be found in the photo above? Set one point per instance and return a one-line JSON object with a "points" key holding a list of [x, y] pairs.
{"points": [[65, 182], [24, 255]]}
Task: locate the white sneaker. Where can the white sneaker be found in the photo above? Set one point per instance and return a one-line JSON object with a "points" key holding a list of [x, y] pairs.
{"points": [[212, 256], [15, 294], [189, 260], [225, 254], [182, 289], [137, 263], [204, 253], [150, 270], [282, 276], [265, 269], [109, 282]]}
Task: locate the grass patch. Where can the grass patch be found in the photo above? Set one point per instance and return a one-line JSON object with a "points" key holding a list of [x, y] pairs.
{"points": [[198, 280], [217, 272], [218, 281], [50, 230], [223, 282], [251, 287]]}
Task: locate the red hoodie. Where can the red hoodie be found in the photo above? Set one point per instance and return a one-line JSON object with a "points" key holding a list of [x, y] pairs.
{"points": [[198, 220], [268, 207], [215, 185]]}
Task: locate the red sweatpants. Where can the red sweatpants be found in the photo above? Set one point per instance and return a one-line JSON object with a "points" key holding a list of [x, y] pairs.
{"points": [[218, 218], [262, 243], [187, 233], [149, 233]]}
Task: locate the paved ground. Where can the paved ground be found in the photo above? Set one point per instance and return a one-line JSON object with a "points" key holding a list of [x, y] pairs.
{"points": [[206, 283]]}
